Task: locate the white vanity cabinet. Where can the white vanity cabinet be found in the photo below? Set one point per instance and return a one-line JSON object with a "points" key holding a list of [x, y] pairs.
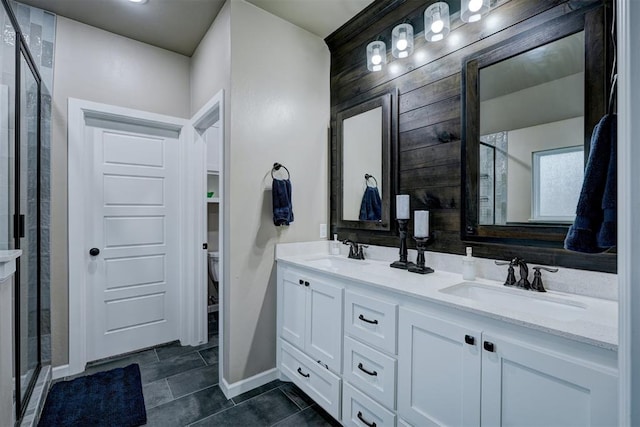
{"points": [[310, 335], [374, 346], [439, 371], [524, 384], [453, 374]]}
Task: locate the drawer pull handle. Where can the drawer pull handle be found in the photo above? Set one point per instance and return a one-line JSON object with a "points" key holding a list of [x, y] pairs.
{"points": [[303, 374], [364, 319], [469, 339], [361, 418], [373, 374]]}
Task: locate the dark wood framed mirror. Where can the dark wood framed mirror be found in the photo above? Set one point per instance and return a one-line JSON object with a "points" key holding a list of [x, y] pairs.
{"points": [[529, 105], [366, 170]]}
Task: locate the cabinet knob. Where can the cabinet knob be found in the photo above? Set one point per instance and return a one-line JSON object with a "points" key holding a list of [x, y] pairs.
{"points": [[489, 346], [361, 418], [303, 374], [94, 251], [469, 340], [306, 283], [301, 282]]}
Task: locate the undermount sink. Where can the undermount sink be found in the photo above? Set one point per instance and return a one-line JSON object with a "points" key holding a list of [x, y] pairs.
{"points": [[335, 262], [518, 300]]}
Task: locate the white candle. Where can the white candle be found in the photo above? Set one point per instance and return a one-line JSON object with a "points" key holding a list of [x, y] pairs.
{"points": [[421, 224], [402, 206]]}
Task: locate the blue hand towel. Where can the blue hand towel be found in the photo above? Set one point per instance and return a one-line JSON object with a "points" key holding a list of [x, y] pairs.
{"points": [[607, 237], [281, 197], [371, 206], [583, 234]]}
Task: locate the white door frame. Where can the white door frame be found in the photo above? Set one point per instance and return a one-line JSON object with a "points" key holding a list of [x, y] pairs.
{"points": [[211, 112], [628, 13], [79, 111]]}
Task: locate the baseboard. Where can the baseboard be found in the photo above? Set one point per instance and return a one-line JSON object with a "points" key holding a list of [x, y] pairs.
{"points": [[60, 371], [242, 386]]}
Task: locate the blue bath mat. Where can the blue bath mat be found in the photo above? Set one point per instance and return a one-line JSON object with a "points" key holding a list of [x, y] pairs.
{"points": [[107, 399]]}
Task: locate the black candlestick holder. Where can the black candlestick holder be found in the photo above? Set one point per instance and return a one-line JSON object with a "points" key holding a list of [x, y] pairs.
{"points": [[402, 263], [419, 267]]}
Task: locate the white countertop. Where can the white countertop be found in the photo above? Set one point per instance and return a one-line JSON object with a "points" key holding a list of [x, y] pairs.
{"points": [[8, 264], [6, 256], [596, 324]]}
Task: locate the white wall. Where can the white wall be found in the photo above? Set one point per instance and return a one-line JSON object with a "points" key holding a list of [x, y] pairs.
{"points": [[521, 144], [279, 113], [99, 66]]}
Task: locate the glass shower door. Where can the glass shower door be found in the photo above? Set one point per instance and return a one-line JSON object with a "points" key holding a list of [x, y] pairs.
{"points": [[28, 280]]}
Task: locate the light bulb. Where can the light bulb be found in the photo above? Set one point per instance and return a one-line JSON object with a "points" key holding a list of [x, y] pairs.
{"points": [[377, 67], [376, 58], [475, 5], [402, 42], [437, 26]]}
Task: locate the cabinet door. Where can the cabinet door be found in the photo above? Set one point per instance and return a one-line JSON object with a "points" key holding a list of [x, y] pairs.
{"points": [[438, 371], [525, 385], [293, 306], [323, 335]]}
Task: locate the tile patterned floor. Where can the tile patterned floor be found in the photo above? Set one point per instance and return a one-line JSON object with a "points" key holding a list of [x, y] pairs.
{"points": [[180, 389]]}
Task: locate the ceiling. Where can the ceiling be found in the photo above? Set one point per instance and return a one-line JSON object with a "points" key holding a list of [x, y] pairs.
{"points": [[179, 25]]}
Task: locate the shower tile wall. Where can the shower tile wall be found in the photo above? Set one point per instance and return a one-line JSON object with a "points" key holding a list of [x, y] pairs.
{"points": [[38, 27]]}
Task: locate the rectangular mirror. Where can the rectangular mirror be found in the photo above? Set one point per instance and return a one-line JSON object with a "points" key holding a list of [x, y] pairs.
{"points": [[530, 105], [364, 151]]}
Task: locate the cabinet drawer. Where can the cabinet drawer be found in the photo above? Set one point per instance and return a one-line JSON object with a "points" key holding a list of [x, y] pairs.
{"points": [[372, 320], [370, 371], [318, 382], [360, 411]]}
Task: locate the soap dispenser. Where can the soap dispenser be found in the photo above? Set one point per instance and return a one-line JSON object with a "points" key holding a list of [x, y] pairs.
{"points": [[335, 245], [469, 266]]}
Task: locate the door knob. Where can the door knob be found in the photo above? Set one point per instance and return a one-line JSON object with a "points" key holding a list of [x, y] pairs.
{"points": [[94, 251]]}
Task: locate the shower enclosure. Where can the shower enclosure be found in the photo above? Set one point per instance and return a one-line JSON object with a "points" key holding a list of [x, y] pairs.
{"points": [[20, 156]]}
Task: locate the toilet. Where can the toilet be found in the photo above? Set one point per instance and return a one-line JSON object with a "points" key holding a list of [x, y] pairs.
{"points": [[214, 256]]}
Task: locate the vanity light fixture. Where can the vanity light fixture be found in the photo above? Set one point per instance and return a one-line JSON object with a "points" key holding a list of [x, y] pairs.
{"points": [[436, 22], [472, 10], [376, 55], [402, 40], [138, 1]]}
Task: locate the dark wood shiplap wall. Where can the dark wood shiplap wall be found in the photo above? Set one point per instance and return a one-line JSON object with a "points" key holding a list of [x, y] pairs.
{"points": [[429, 125]]}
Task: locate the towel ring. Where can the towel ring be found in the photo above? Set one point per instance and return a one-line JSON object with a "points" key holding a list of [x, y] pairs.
{"points": [[276, 167], [367, 177]]}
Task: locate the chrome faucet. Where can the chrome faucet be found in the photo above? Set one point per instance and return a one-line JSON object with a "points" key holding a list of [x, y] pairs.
{"points": [[355, 249]]}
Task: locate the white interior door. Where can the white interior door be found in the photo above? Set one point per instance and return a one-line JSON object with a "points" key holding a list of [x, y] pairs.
{"points": [[133, 220]]}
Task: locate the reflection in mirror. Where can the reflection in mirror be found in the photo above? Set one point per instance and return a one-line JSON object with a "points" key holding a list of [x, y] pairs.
{"points": [[362, 155], [366, 154], [531, 155]]}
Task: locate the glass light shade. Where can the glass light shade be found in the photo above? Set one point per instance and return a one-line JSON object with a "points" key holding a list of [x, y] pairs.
{"points": [[472, 10], [376, 55], [436, 22], [402, 40]]}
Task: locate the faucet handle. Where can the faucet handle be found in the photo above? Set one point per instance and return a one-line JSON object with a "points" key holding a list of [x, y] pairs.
{"points": [[537, 284], [549, 269]]}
